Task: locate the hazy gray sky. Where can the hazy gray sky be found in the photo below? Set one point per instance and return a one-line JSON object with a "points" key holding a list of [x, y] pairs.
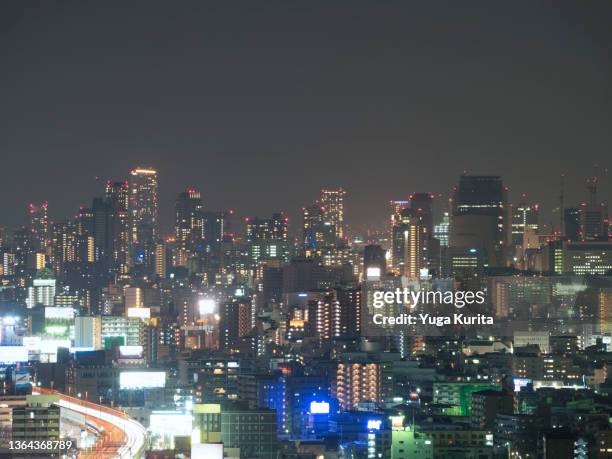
{"points": [[261, 104]]}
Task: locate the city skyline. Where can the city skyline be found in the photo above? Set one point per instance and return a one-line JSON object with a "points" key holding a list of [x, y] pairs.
{"points": [[284, 230]]}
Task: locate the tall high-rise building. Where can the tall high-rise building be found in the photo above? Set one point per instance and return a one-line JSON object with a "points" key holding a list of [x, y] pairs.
{"points": [[316, 233], [422, 206], [217, 225], [594, 216], [410, 238], [110, 233], [524, 217], [571, 223], [143, 205], [143, 217], [39, 225], [118, 195], [479, 220], [188, 213], [397, 241], [161, 260], [332, 210], [416, 236], [188, 224]]}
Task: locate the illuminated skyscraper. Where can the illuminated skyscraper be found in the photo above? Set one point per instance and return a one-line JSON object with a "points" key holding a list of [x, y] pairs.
{"points": [[217, 226], [422, 205], [188, 213], [571, 223], [594, 216], [39, 225], [397, 239], [317, 233], [605, 311], [117, 194], [160, 260], [524, 217], [479, 218], [332, 210], [415, 244], [188, 224], [143, 216], [143, 205]]}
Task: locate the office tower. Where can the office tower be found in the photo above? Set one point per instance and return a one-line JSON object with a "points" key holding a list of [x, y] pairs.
{"points": [[524, 217], [479, 218], [374, 263], [415, 245], [422, 206], [585, 258], [441, 233], [39, 225], [316, 233], [332, 208], [188, 225], [143, 211], [571, 223], [594, 216], [267, 229], [109, 234], [410, 240], [188, 214], [117, 195], [217, 225], [397, 241]]}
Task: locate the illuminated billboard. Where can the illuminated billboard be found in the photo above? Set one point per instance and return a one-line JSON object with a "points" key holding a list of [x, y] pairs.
{"points": [[22, 379], [54, 312], [374, 424], [207, 451], [142, 379], [13, 354], [139, 313], [206, 306], [32, 343], [130, 351], [170, 423], [319, 408]]}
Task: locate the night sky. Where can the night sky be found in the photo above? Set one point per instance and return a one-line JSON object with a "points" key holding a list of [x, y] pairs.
{"points": [[261, 104]]}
